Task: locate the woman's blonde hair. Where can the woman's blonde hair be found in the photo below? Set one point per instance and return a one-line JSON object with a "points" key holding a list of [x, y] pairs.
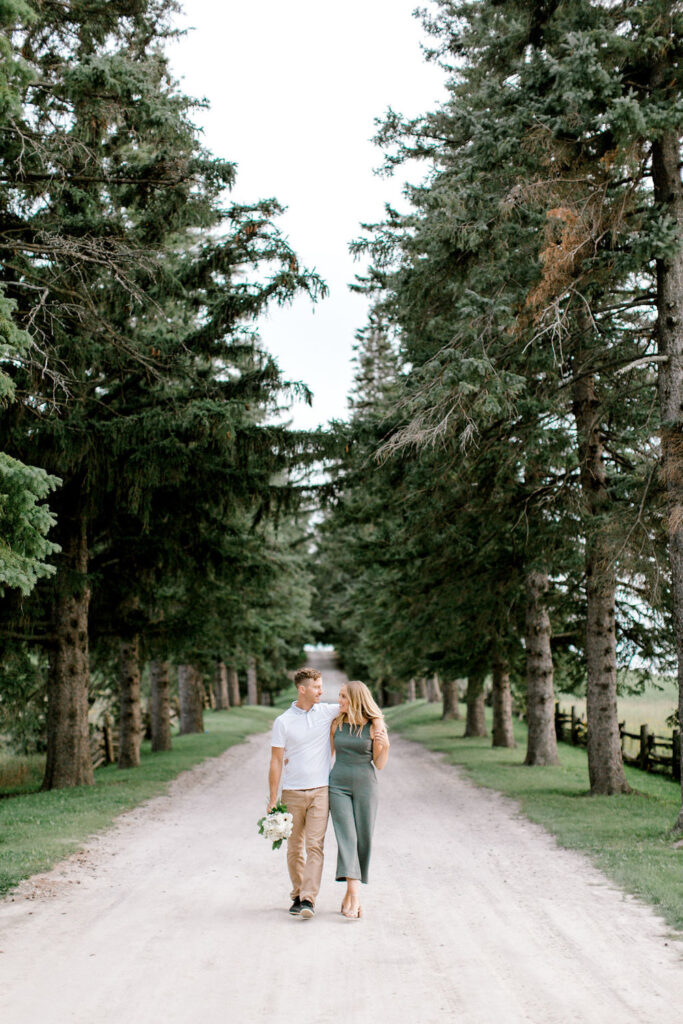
{"points": [[362, 705]]}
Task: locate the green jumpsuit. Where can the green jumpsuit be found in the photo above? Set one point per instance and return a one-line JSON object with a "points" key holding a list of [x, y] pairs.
{"points": [[353, 800]]}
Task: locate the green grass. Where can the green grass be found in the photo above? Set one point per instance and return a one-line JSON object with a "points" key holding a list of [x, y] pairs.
{"points": [[20, 773], [39, 829], [627, 837], [285, 698]]}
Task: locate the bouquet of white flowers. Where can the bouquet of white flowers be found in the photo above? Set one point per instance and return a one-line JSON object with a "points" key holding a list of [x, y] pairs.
{"points": [[276, 826]]}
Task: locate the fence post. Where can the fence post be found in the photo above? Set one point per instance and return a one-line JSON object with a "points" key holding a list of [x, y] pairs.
{"points": [[644, 753], [558, 722], [622, 729], [108, 738], [575, 731], [676, 755]]}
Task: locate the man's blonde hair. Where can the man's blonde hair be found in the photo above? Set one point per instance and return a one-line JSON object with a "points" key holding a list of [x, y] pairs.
{"points": [[302, 677]]}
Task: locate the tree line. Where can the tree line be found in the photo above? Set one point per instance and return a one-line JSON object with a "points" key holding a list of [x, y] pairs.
{"points": [[151, 509], [508, 497]]}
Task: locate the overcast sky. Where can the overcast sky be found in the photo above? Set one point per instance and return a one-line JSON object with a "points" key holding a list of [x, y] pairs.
{"points": [[294, 87]]}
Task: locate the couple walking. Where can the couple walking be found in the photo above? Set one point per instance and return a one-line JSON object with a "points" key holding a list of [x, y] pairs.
{"points": [[304, 741]]}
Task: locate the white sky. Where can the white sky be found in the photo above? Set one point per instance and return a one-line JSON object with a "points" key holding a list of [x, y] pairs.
{"points": [[294, 87]]}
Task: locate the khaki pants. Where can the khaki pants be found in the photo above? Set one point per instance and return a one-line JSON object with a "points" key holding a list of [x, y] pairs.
{"points": [[309, 808]]}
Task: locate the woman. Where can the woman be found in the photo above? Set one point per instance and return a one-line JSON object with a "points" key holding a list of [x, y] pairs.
{"points": [[360, 744]]}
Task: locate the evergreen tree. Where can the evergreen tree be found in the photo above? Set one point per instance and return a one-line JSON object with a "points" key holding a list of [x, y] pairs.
{"points": [[128, 267], [617, 70], [524, 310], [24, 521]]}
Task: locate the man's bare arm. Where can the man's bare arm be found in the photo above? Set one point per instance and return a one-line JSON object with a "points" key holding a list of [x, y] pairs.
{"points": [[275, 774]]}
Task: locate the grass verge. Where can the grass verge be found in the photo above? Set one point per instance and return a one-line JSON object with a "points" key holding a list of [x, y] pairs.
{"points": [[627, 837], [38, 829]]}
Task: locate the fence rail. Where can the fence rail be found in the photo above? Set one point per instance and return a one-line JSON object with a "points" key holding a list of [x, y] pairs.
{"points": [[104, 739], [655, 753], [104, 744]]}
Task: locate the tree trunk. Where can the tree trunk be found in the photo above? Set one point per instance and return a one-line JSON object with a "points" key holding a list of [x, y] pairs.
{"points": [[191, 695], [433, 689], [669, 195], [234, 688], [411, 690], [422, 688], [450, 699], [475, 723], [542, 741], [160, 706], [252, 685], [220, 687], [605, 762], [503, 733], [68, 740], [130, 722]]}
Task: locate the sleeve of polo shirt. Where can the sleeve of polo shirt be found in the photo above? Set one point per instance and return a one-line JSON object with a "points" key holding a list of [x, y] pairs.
{"points": [[279, 736]]}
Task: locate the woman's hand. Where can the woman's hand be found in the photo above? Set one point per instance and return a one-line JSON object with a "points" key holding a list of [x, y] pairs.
{"points": [[380, 743], [380, 734]]}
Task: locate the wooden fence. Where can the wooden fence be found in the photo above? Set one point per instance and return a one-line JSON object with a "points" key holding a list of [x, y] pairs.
{"points": [[104, 740], [655, 753], [104, 744]]}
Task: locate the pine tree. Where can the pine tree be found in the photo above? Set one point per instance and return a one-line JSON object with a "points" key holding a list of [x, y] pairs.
{"points": [[24, 520], [145, 409], [619, 142], [522, 300]]}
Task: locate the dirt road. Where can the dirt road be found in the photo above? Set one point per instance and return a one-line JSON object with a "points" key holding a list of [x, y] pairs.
{"points": [[179, 914]]}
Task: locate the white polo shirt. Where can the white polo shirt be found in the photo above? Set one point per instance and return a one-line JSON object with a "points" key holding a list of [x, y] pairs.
{"points": [[305, 736]]}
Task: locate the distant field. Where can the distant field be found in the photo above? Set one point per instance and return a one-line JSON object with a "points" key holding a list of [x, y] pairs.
{"points": [[652, 708]]}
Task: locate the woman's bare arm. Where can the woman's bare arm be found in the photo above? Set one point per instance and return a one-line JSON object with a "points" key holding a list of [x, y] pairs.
{"points": [[380, 743]]}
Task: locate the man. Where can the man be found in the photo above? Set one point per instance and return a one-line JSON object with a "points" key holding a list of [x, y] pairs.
{"points": [[301, 759]]}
